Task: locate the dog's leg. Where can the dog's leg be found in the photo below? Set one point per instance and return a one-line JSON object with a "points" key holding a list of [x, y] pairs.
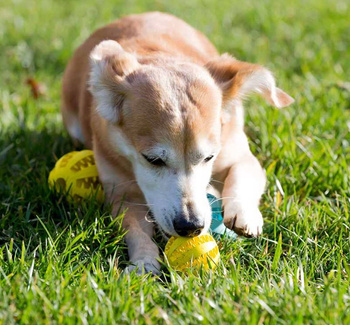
{"points": [[143, 252], [243, 187]]}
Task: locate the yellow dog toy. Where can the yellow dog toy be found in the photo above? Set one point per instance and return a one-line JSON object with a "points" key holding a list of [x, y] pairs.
{"points": [[76, 172]]}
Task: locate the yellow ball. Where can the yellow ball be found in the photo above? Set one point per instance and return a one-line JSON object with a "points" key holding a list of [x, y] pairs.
{"points": [[192, 252], [77, 172]]}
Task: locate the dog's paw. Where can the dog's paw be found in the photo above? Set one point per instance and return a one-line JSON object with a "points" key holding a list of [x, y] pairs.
{"points": [[246, 222], [144, 266]]}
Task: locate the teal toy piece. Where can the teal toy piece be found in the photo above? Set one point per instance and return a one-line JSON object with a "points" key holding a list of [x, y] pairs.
{"points": [[217, 227]]}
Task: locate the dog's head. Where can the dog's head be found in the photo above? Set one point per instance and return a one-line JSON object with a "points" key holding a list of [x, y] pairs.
{"points": [[165, 117]]}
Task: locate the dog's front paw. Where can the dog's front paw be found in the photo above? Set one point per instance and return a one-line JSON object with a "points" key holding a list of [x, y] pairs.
{"points": [[247, 222], [144, 266]]}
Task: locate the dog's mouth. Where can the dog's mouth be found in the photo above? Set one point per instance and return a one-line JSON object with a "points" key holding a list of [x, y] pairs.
{"points": [[150, 218], [165, 234]]}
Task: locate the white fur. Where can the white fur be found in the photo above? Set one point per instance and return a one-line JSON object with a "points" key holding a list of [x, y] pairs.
{"points": [[105, 49], [118, 140], [76, 132], [144, 265], [241, 199], [106, 105], [108, 177], [262, 82], [73, 126], [165, 187], [233, 110], [107, 97], [168, 190]]}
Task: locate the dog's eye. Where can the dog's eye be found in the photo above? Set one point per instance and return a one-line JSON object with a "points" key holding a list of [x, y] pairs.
{"points": [[155, 161], [209, 158]]}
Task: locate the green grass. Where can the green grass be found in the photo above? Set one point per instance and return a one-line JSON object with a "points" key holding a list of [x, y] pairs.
{"points": [[62, 264]]}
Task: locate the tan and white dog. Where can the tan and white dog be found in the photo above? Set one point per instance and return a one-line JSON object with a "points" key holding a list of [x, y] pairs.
{"points": [[163, 112]]}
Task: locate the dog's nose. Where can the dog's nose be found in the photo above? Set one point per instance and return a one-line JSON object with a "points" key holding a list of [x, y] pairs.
{"points": [[187, 228]]}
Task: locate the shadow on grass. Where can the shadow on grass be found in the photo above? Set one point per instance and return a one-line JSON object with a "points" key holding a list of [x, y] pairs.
{"points": [[31, 216]]}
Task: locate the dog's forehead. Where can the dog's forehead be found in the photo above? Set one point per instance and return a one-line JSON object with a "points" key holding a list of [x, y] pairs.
{"points": [[174, 109], [174, 89]]}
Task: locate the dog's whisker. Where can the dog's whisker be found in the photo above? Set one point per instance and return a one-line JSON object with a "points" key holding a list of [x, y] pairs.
{"points": [[216, 181], [114, 185], [138, 204], [222, 198]]}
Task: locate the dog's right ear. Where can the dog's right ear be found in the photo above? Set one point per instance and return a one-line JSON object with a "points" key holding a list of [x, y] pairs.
{"points": [[239, 79], [110, 65]]}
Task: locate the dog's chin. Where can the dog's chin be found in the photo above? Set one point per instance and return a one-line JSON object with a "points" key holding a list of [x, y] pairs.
{"points": [[164, 233], [151, 218]]}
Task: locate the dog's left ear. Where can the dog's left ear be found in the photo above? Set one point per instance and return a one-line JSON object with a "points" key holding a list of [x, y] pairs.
{"points": [[238, 79], [110, 67]]}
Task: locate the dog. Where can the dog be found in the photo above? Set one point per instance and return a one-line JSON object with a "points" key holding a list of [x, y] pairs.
{"points": [[163, 113]]}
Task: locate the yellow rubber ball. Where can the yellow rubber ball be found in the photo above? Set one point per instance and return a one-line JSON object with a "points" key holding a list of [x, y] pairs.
{"points": [[185, 253], [76, 173]]}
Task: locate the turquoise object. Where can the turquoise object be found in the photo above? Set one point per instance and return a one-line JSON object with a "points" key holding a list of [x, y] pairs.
{"points": [[217, 227]]}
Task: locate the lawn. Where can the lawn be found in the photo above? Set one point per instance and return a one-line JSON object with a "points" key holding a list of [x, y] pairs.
{"points": [[62, 264]]}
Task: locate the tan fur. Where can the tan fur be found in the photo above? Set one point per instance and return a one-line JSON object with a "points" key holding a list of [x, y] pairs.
{"points": [[166, 84]]}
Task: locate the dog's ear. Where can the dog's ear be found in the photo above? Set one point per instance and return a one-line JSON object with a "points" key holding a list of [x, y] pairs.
{"points": [[110, 65], [238, 79]]}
